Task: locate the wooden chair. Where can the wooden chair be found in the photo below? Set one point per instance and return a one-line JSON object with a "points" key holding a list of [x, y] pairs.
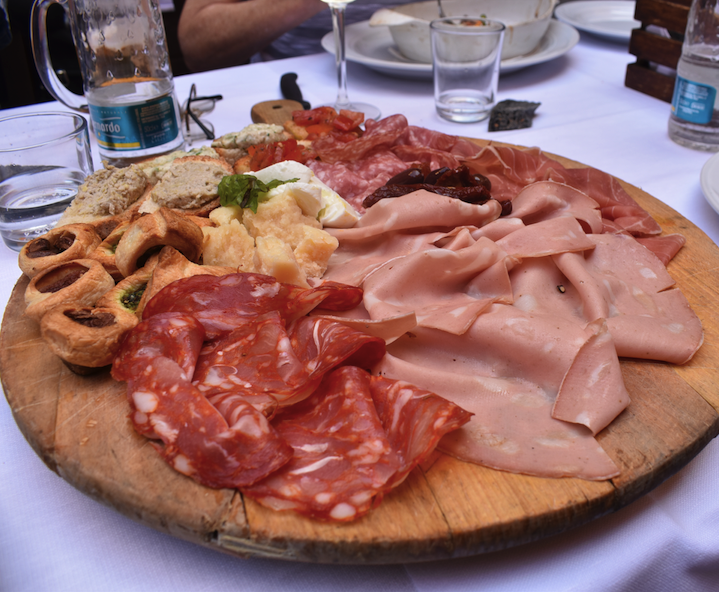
{"points": [[657, 46]]}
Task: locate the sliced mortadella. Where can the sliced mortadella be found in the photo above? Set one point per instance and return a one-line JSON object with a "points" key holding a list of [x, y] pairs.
{"points": [[593, 392]]}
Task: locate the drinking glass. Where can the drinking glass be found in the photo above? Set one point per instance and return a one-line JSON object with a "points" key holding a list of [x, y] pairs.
{"points": [[337, 7], [466, 54], [44, 158]]}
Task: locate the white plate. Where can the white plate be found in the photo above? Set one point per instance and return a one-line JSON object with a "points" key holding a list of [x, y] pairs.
{"points": [[607, 18], [374, 48], [709, 180]]}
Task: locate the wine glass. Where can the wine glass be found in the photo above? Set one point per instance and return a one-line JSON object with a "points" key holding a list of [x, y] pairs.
{"points": [[337, 7]]}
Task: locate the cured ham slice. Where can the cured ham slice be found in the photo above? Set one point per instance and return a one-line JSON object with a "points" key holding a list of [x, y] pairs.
{"points": [[664, 247], [546, 199], [556, 235], [419, 210], [354, 439], [645, 315], [510, 170]]}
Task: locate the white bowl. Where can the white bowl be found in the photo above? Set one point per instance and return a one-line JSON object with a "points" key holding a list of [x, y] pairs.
{"points": [[526, 21]]}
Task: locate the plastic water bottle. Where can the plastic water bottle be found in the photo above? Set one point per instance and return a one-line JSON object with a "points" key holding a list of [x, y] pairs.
{"points": [[694, 119], [129, 91]]}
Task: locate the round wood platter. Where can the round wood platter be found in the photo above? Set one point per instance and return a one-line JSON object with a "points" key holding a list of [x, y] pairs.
{"points": [[446, 508]]}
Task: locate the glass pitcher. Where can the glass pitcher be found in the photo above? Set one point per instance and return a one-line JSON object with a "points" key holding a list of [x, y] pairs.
{"points": [[127, 78]]}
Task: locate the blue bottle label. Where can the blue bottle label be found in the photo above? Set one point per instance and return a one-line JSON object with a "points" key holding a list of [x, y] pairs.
{"points": [[692, 101], [135, 127]]}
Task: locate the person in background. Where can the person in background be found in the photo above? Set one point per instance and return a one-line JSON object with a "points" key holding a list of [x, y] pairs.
{"points": [[220, 33]]}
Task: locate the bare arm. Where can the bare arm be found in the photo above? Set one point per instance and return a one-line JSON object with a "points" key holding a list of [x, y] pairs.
{"points": [[220, 33]]}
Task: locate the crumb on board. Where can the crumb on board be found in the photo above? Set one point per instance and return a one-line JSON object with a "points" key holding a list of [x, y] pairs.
{"points": [[510, 114]]}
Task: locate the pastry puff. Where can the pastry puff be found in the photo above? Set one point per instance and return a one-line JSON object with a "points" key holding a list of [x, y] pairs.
{"points": [[80, 282], [74, 241], [127, 295], [105, 251], [85, 337], [150, 233]]}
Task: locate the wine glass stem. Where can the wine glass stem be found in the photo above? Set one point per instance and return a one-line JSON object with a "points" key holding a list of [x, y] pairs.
{"points": [[338, 26]]}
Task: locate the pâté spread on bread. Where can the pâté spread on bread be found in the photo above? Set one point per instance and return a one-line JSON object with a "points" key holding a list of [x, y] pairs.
{"points": [[305, 313]]}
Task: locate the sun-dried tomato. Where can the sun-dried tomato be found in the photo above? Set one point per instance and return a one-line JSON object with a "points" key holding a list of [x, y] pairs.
{"points": [[263, 155], [348, 121], [315, 116]]}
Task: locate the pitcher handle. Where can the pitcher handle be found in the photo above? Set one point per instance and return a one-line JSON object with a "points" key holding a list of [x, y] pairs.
{"points": [[43, 63]]}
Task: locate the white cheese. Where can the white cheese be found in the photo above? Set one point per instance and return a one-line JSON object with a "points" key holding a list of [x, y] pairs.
{"points": [[312, 195]]}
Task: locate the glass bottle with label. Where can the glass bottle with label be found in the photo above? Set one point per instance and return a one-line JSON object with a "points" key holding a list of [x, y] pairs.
{"points": [[694, 119], [127, 78]]}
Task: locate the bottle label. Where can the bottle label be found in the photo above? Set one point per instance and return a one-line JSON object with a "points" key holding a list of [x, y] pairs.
{"points": [[135, 127], [692, 101]]}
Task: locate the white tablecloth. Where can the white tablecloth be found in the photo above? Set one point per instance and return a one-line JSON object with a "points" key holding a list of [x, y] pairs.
{"points": [[54, 538]]}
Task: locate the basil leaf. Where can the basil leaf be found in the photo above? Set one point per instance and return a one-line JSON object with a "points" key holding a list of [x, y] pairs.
{"points": [[246, 191]]}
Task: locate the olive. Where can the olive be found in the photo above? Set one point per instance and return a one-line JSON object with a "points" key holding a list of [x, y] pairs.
{"points": [[410, 176]]}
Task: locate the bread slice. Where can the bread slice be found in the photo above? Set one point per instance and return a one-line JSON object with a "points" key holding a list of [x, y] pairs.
{"points": [[189, 185], [106, 193]]}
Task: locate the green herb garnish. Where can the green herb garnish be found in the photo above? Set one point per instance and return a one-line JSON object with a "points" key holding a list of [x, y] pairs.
{"points": [[246, 191]]}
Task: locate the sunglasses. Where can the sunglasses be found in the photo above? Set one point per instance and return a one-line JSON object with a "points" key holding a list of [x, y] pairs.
{"points": [[193, 108]]}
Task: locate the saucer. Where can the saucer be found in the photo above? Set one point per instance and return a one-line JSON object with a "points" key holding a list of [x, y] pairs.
{"points": [[375, 48], [611, 19], [709, 181]]}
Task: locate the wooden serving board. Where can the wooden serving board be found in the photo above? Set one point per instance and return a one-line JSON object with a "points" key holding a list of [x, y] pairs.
{"points": [[446, 508]]}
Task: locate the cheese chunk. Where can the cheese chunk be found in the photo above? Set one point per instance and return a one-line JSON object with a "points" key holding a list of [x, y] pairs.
{"points": [[225, 214], [280, 217], [274, 257], [315, 198], [314, 250], [229, 245]]}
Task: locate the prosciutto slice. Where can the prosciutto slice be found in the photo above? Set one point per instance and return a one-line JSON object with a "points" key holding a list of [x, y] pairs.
{"points": [[510, 170]]}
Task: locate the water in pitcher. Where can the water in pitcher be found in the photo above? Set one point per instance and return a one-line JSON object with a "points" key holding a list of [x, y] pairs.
{"points": [[134, 119], [127, 77]]}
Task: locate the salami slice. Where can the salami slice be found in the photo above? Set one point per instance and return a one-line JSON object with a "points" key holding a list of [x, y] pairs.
{"points": [[157, 360], [378, 135], [262, 364], [255, 360], [414, 420], [224, 303], [197, 441], [322, 344], [175, 336], [342, 457], [354, 439]]}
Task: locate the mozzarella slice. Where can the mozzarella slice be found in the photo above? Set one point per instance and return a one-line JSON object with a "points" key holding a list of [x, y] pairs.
{"points": [[313, 196]]}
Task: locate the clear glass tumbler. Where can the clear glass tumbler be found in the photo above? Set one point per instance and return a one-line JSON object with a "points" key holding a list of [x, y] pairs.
{"points": [[466, 54], [44, 158]]}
